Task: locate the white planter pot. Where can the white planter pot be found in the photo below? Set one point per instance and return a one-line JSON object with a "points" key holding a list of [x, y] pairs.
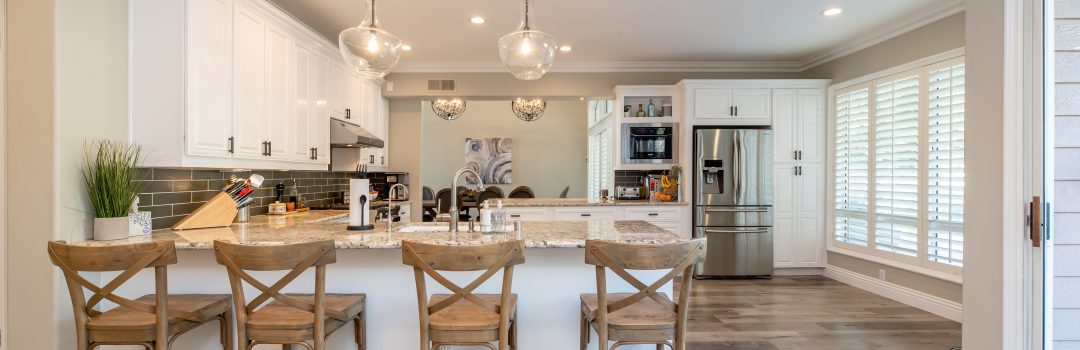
{"points": [[108, 229]]}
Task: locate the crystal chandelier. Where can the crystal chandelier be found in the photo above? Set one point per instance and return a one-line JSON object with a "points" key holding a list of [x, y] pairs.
{"points": [[448, 109], [528, 52], [528, 110], [370, 50]]}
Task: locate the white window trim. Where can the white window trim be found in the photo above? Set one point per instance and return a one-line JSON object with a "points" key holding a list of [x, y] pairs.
{"points": [[919, 264]]}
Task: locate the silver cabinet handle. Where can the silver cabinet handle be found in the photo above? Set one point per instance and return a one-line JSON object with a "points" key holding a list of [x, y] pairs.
{"points": [[735, 231], [232, 144], [586, 214], [515, 215], [654, 214], [736, 210]]}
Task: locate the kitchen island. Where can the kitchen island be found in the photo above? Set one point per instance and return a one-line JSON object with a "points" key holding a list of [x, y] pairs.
{"points": [[548, 284]]}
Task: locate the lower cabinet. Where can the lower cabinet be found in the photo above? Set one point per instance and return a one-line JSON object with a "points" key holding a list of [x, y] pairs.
{"points": [[666, 217], [798, 231]]}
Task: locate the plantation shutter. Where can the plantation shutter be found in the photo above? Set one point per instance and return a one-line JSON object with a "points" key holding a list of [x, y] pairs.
{"points": [[594, 167], [945, 163], [601, 174], [852, 168], [896, 165]]}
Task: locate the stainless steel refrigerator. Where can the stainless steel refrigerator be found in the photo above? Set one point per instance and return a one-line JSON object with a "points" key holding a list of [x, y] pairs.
{"points": [[733, 201]]}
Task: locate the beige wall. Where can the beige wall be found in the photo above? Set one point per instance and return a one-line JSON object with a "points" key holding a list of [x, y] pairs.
{"points": [[405, 148], [943, 35], [552, 85], [67, 84], [548, 154]]}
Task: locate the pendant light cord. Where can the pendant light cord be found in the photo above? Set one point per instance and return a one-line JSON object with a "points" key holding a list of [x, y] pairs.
{"points": [[526, 14], [373, 13]]}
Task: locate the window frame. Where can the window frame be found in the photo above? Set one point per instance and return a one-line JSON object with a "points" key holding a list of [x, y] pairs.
{"points": [[920, 263]]}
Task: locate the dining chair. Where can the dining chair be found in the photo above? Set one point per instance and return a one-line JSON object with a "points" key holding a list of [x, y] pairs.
{"points": [[464, 317], [647, 316], [522, 192], [496, 189], [274, 317], [152, 321], [428, 193], [564, 192], [486, 195]]}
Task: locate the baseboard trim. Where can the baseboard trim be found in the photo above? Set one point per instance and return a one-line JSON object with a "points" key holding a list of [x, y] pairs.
{"points": [[933, 304], [798, 271]]}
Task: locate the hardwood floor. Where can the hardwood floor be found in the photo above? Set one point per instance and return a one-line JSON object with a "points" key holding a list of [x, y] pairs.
{"points": [[806, 313]]}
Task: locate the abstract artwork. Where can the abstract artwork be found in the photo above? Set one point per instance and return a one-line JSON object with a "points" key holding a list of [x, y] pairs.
{"points": [[489, 157]]}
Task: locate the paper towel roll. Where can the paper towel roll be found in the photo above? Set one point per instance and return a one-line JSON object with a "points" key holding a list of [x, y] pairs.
{"points": [[359, 217]]}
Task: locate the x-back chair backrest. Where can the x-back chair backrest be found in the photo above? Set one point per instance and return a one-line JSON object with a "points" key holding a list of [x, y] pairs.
{"points": [[296, 258], [127, 258], [429, 259], [680, 257]]}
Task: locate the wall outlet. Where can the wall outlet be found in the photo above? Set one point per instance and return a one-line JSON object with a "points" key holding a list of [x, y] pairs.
{"points": [[389, 86], [881, 274]]}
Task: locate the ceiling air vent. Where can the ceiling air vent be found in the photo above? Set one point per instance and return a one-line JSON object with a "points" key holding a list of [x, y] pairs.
{"points": [[441, 85]]}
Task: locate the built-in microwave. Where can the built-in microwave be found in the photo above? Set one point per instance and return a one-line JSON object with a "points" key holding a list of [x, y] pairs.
{"points": [[649, 143]]}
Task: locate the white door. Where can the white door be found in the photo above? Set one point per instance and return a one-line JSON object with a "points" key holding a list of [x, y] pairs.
{"points": [[785, 243], [811, 119], [302, 148], [784, 125], [751, 103], [713, 103], [810, 227], [320, 113], [249, 68], [209, 95], [278, 87]]}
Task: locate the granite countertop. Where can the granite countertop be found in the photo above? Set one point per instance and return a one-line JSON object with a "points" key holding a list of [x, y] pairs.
{"points": [[582, 202], [320, 225]]}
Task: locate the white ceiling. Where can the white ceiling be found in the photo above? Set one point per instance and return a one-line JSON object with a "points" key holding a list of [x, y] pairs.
{"points": [[777, 32]]}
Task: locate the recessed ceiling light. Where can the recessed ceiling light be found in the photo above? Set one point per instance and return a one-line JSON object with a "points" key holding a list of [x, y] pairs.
{"points": [[406, 47], [581, 98], [565, 48], [477, 20], [833, 11]]}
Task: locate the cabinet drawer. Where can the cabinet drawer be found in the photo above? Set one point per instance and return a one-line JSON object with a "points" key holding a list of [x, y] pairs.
{"points": [[585, 214], [653, 214], [526, 214]]}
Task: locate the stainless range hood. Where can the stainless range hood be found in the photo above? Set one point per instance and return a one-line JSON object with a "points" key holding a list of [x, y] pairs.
{"points": [[346, 134]]}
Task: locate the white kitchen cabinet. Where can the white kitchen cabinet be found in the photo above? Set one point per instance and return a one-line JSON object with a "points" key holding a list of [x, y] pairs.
{"points": [[746, 105], [585, 214], [528, 214], [340, 87], [210, 96], [663, 216], [713, 103], [752, 104], [798, 217], [231, 91]]}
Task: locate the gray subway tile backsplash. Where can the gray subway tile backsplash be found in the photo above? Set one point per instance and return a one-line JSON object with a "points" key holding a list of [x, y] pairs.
{"points": [[170, 194]]}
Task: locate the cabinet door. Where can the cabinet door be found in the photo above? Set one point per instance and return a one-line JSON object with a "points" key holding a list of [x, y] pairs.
{"points": [[713, 103], [320, 113], [209, 94], [278, 87], [384, 127], [249, 68], [784, 222], [752, 103], [585, 214], [340, 87], [811, 120], [301, 149], [784, 124], [811, 231]]}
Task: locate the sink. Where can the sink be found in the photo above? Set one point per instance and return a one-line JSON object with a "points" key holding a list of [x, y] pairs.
{"points": [[430, 228]]}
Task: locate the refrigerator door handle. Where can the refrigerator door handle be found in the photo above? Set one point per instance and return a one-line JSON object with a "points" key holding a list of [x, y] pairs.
{"points": [[736, 158], [734, 231]]}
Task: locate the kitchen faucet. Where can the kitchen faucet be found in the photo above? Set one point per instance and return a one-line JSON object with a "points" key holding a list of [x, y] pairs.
{"points": [[453, 195], [390, 205]]}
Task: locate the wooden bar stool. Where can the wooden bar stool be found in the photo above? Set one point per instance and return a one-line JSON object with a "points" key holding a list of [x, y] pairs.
{"points": [[465, 318], [645, 317], [288, 318], [152, 321]]}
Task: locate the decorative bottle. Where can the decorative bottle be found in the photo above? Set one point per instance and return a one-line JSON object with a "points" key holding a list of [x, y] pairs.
{"points": [[652, 109], [640, 111]]}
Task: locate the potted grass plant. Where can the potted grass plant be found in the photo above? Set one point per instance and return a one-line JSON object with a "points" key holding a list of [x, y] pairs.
{"points": [[110, 171]]}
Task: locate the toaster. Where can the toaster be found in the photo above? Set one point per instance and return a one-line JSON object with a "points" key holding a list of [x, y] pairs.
{"points": [[627, 192]]}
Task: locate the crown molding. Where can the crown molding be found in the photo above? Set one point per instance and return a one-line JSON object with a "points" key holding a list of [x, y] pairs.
{"points": [[931, 14], [604, 67]]}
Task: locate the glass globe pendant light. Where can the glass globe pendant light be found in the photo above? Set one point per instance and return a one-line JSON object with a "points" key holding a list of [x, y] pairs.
{"points": [[368, 49], [528, 52]]}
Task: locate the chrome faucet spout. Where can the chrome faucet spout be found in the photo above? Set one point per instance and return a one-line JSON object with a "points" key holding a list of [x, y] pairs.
{"points": [[390, 205], [453, 195]]}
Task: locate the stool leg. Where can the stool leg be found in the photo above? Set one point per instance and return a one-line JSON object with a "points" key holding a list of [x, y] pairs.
{"points": [[583, 338], [361, 331], [226, 330], [286, 346], [514, 333]]}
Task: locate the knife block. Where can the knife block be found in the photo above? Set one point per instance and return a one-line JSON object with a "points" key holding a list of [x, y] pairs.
{"points": [[217, 212]]}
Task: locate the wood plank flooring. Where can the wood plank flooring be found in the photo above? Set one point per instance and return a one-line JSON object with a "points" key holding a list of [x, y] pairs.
{"points": [[807, 313]]}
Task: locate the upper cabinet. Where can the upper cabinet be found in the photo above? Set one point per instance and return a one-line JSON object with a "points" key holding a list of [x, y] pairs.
{"points": [[727, 102], [236, 84]]}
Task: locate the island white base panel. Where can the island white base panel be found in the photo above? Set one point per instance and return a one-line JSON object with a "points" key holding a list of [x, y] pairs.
{"points": [[548, 287]]}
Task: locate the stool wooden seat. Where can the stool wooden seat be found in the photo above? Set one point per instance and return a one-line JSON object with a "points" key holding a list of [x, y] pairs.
{"points": [[151, 321], [274, 317], [645, 317], [465, 318]]}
